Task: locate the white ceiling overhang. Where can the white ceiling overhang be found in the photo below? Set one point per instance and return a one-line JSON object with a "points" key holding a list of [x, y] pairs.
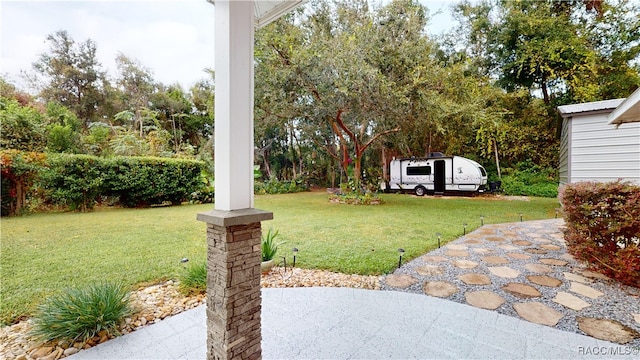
{"points": [[628, 111], [267, 11]]}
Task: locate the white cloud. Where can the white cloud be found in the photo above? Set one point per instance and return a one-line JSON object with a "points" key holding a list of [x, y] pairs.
{"points": [[174, 39]]}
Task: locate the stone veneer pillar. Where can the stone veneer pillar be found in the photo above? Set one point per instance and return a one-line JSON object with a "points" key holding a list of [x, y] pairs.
{"points": [[233, 283]]}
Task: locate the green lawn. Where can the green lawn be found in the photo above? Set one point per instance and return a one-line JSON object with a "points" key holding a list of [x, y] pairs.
{"points": [[43, 253]]}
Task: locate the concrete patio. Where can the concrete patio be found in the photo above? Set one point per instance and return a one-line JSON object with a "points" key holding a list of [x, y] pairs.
{"points": [[345, 323]]}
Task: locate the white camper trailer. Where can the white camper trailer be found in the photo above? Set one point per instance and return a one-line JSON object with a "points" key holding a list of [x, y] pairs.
{"points": [[435, 174]]}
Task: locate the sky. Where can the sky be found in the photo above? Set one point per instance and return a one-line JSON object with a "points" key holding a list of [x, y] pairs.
{"points": [[174, 39]]}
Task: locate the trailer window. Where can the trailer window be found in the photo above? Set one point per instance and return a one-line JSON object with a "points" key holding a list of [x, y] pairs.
{"points": [[418, 170], [482, 171]]}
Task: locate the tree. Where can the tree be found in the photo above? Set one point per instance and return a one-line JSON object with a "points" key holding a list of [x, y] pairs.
{"points": [[71, 75], [136, 85]]}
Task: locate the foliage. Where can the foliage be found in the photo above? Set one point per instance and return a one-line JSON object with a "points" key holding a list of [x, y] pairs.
{"points": [[268, 245], [275, 186], [18, 171], [142, 246], [193, 280], [22, 127], [603, 227], [71, 75], [356, 198], [79, 314], [527, 180], [79, 181]]}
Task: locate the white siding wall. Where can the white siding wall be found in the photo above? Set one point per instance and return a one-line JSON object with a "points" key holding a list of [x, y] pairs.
{"points": [[600, 152], [565, 147]]}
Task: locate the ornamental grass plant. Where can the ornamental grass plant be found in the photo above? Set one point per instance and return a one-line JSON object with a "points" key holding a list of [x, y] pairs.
{"points": [[78, 314], [193, 280]]}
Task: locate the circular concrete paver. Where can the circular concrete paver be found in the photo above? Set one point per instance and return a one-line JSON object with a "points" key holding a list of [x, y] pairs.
{"points": [[440, 289], [475, 279], [457, 253], [484, 299], [585, 290], [521, 290], [429, 270], [544, 280], [457, 247], [400, 281], [482, 251], [606, 329], [550, 247], [537, 313], [434, 258]]}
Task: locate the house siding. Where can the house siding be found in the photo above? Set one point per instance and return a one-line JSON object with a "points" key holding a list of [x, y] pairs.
{"points": [[597, 151], [565, 146]]}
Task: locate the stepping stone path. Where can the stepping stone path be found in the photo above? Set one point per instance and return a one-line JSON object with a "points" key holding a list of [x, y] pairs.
{"points": [[585, 290], [544, 280], [494, 260], [521, 290], [400, 281], [465, 264], [570, 301], [519, 256], [429, 270], [576, 277], [441, 289], [523, 270], [505, 272], [538, 268], [483, 299], [475, 279], [521, 242], [609, 330], [554, 262], [538, 313], [457, 253]]}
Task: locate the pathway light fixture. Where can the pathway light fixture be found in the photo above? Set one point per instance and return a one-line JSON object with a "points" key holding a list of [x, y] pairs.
{"points": [[295, 253], [401, 252], [438, 235]]}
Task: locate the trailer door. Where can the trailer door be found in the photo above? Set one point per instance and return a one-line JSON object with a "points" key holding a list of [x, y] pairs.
{"points": [[438, 177]]}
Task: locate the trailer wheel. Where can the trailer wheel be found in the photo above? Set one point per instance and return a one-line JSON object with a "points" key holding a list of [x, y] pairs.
{"points": [[420, 190]]}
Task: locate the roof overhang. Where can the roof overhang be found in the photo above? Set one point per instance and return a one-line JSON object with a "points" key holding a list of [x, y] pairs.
{"points": [[267, 11], [628, 111]]}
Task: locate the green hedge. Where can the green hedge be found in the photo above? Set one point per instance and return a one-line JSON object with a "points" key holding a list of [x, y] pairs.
{"points": [[79, 181]]}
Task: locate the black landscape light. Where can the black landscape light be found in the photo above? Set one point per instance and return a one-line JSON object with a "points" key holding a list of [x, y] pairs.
{"points": [[401, 252], [481, 220], [520, 217], [295, 253], [438, 235], [556, 213], [184, 260], [465, 229]]}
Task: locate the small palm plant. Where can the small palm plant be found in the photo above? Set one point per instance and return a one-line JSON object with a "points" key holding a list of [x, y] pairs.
{"points": [[269, 246], [80, 314]]}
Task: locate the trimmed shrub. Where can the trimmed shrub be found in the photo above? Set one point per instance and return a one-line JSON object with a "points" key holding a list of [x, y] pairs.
{"points": [[143, 181], [78, 181], [80, 314], [193, 280], [603, 227], [75, 181]]}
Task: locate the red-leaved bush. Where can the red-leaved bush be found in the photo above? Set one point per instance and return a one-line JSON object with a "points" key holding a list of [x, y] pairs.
{"points": [[603, 227]]}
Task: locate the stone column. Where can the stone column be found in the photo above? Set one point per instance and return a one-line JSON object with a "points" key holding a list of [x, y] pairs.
{"points": [[233, 283]]}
